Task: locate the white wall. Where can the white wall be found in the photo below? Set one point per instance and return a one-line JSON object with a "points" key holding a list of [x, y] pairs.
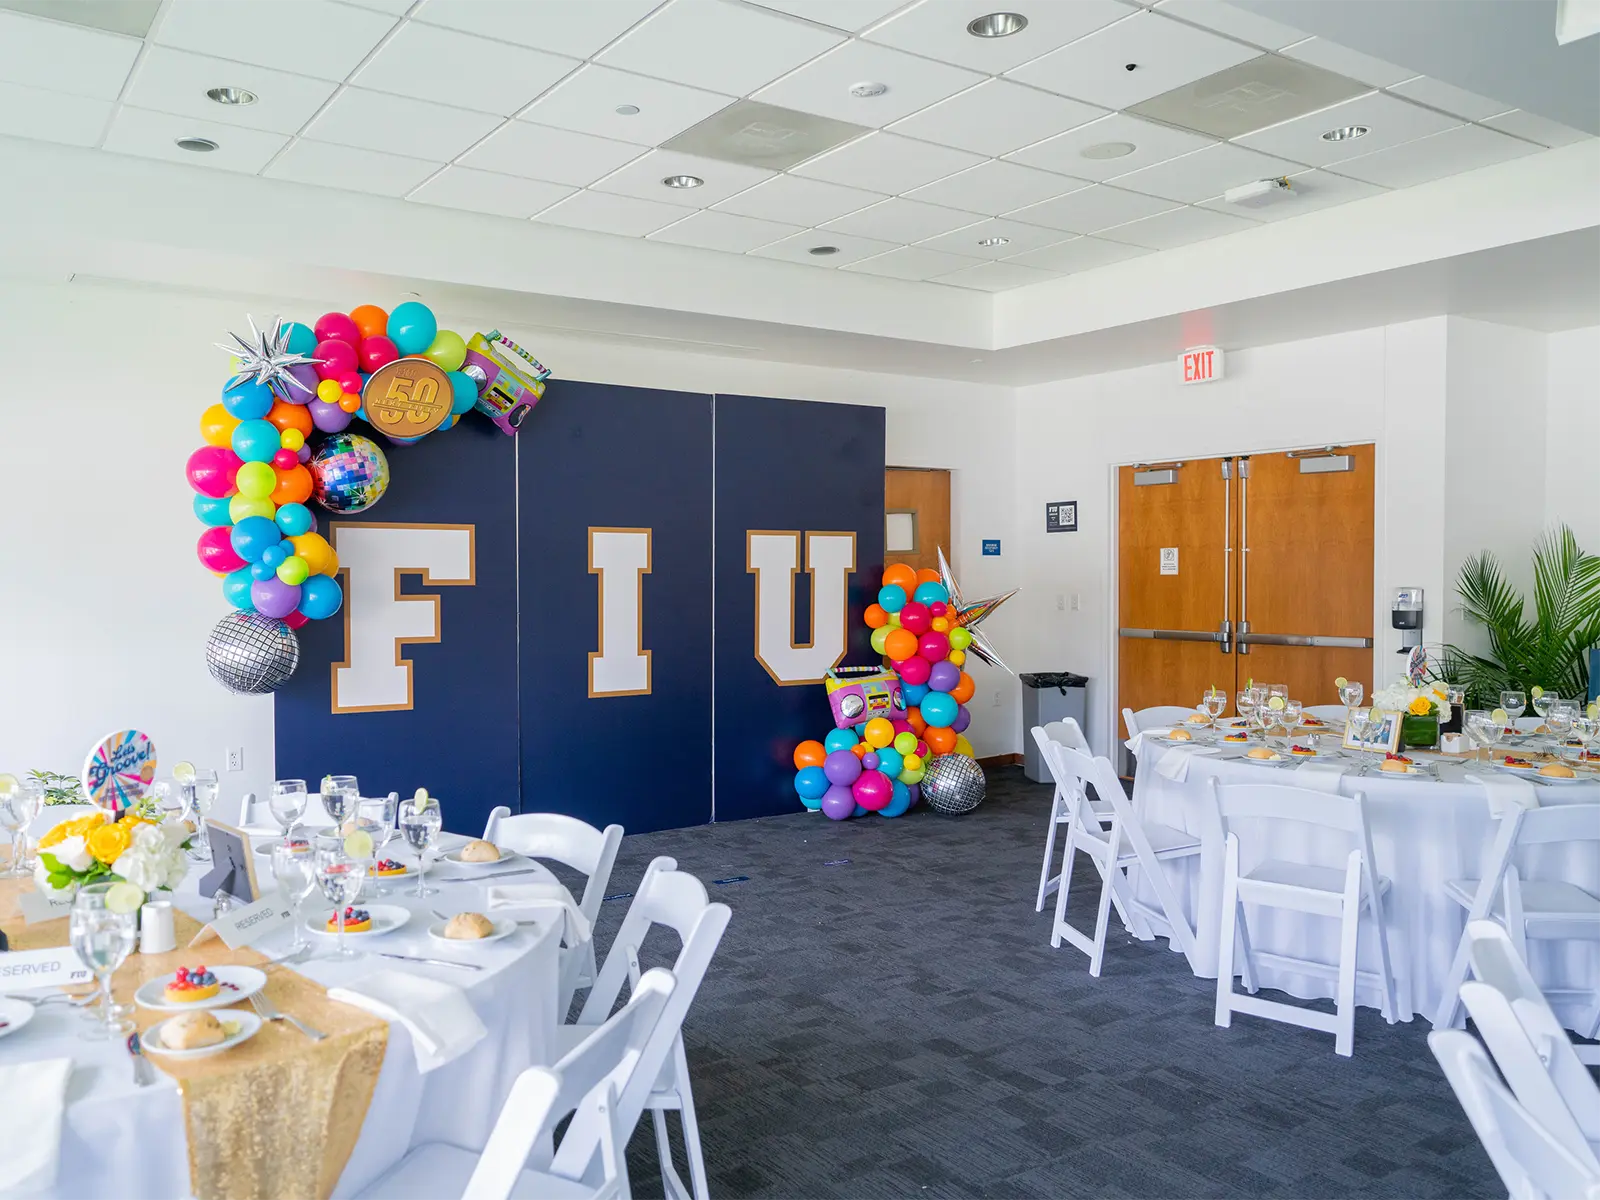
{"points": [[1572, 434]]}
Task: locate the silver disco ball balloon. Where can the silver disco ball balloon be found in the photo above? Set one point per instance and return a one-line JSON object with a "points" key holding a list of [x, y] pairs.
{"points": [[954, 784], [250, 654]]}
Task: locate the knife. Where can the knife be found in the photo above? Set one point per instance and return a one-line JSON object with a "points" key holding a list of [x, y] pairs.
{"points": [[432, 962]]}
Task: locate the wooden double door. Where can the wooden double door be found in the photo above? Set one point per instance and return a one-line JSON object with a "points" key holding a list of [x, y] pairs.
{"points": [[1252, 567]]}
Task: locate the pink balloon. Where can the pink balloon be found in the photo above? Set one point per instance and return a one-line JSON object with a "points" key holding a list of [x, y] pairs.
{"points": [[915, 618], [901, 725], [913, 670], [377, 352], [296, 619], [334, 358], [284, 459], [215, 549], [211, 470], [350, 383], [934, 647], [337, 327], [873, 790]]}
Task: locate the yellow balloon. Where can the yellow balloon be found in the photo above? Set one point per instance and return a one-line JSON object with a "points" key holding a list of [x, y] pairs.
{"points": [[958, 657], [319, 556], [913, 762], [878, 733], [963, 746], [329, 391], [217, 425], [241, 507], [292, 439], [941, 625]]}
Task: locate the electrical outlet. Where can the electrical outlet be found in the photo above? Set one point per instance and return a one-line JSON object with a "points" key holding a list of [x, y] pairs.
{"points": [[1061, 602], [235, 758], [1077, 602]]}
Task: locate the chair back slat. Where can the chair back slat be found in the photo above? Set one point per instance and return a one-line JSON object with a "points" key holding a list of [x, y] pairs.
{"points": [[1559, 823], [562, 839], [1283, 802], [1155, 717], [1066, 732]]}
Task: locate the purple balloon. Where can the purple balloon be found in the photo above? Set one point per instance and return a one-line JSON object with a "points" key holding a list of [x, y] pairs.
{"points": [[944, 676], [963, 719], [869, 761], [842, 767], [304, 453], [306, 373], [329, 418], [838, 803], [916, 793], [274, 598]]}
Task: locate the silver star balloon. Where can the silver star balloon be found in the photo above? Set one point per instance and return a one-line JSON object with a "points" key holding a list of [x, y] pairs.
{"points": [[969, 616], [267, 359]]}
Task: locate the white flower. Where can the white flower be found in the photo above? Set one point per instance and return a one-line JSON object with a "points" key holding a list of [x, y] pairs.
{"points": [[174, 832], [139, 867], [72, 853], [148, 839], [174, 867]]}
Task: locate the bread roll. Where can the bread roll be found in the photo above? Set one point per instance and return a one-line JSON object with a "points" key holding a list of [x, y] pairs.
{"points": [[192, 1030], [1557, 771], [468, 927], [1396, 765], [1180, 735], [480, 851], [1261, 752]]}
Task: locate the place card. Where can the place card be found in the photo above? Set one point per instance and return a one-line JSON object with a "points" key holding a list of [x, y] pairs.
{"points": [[57, 966], [239, 927], [37, 907]]}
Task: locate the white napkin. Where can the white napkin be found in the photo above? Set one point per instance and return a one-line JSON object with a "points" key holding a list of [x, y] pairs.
{"points": [[1320, 776], [441, 1020], [1137, 740], [1503, 791], [33, 1096], [540, 901], [1174, 764]]}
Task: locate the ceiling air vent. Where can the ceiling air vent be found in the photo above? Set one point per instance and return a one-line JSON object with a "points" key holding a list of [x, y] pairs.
{"points": [[763, 135], [1250, 96]]}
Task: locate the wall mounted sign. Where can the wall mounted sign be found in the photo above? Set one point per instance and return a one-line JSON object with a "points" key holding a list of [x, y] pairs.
{"points": [[408, 398], [1202, 364], [1169, 560], [1061, 517], [991, 547]]}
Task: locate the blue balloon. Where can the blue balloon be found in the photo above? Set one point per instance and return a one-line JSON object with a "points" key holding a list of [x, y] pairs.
{"points": [[890, 762], [256, 441], [236, 589], [294, 519], [861, 811], [302, 339], [212, 512], [273, 556], [939, 709], [913, 693], [320, 597], [839, 739], [930, 593], [892, 598], [412, 327], [263, 572], [466, 392], [811, 784], [247, 400], [899, 801], [252, 537]]}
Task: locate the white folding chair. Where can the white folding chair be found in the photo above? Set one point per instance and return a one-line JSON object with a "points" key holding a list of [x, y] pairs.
{"points": [[1129, 842], [1333, 714], [1160, 716], [575, 844], [1064, 804], [1532, 1163], [1300, 887], [1529, 908], [520, 1159], [667, 897]]}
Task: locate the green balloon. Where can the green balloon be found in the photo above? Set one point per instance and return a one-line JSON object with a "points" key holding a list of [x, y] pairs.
{"points": [[906, 743], [960, 639], [256, 480], [879, 636], [294, 570], [242, 506], [448, 350]]}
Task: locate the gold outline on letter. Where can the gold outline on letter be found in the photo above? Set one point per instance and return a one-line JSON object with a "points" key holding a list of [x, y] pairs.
{"points": [[600, 608], [844, 622]]}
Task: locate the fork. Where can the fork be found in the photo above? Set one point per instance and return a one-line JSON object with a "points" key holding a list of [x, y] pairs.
{"points": [[268, 1011]]}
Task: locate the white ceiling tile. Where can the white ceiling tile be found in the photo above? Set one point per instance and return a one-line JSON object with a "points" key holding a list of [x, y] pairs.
{"points": [[555, 155], [1177, 228], [717, 45], [995, 187], [1535, 128], [1463, 148], [587, 100], [1389, 121], [176, 81], [349, 168], [797, 201], [557, 26], [1018, 237], [1448, 99], [938, 29], [399, 125], [852, 16], [904, 221], [642, 178], [883, 162], [489, 192], [395, 8], [1167, 54], [798, 248], [51, 116], [1208, 172], [823, 85], [1151, 144], [324, 40], [1078, 254], [996, 117], [64, 58], [1093, 209], [994, 277], [1352, 64], [724, 231], [912, 262], [430, 63], [1221, 17], [154, 135], [1310, 190], [605, 213]]}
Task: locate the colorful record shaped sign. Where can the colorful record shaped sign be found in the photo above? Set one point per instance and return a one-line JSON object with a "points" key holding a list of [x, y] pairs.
{"points": [[119, 770]]}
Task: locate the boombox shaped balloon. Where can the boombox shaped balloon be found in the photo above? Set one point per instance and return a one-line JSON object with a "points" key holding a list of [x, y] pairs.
{"points": [[510, 380], [858, 694]]}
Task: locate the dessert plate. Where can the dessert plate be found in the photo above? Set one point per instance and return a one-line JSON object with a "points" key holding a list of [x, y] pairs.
{"points": [[14, 1014], [386, 918], [240, 1024], [238, 983], [503, 928]]}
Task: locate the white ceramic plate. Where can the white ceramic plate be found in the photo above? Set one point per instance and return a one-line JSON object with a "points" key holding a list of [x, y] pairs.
{"points": [[244, 1024], [1413, 772], [1276, 758], [265, 848], [245, 982], [1312, 757], [454, 859], [503, 928], [1549, 780], [386, 918], [14, 1014]]}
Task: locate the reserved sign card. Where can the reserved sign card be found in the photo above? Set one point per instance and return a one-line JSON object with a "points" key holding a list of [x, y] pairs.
{"points": [[245, 926], [21, 970], [37, 907]]}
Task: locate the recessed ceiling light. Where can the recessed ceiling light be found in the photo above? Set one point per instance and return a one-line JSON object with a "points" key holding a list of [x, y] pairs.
{"points": [[997, 24], [1102, 150], [823, 251], [199, 145], [1345, 132], [683, 181], [994, 241], [627, 110], [231, 95], [867, 90], [1130, 66]]}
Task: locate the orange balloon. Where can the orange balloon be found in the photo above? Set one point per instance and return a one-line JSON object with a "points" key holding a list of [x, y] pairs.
{"points": [[290, 416], [371, 320], [940, 741], [809, 754], [900, 645], [860, 749], [900, 575], [217, 425], [876, 617], [350, 402], [963, 690], [914, 719], [294, 486], [928, 575]]}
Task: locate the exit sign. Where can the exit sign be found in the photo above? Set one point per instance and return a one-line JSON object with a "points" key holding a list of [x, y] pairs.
{"points": [[1202, 364]]}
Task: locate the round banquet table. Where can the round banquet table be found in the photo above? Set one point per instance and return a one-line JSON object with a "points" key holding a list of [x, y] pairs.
{"points": [[1424, 832], [129, 1142]]}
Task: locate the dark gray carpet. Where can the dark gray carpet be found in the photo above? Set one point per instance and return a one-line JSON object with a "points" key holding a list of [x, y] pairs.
{"points": [[897, 1025]]}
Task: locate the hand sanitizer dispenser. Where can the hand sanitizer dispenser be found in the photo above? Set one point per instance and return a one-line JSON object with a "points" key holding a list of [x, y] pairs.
{"points": [[1405, 613]]}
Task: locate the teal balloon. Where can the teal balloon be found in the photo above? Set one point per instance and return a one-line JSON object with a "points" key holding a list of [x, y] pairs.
{"points": [[294, 519], [891, 598], [931, 593], [939, 709], [272, 557], [253, 537], [320, 597], [890, 761], [263, 571], [247, 400], [211, 511], [302, 340], [811, 784], [412, 327], [839, 739], [899, 801], [256, 441], [466, 392], [236, 589]]}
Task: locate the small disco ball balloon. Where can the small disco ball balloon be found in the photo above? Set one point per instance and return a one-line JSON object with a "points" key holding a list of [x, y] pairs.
{"points": [[954, 784], [349, 473], [249, 654]]}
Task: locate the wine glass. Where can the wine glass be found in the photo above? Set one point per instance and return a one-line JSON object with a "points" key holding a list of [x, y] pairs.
{"points": [[1543, 701], [1584, 731], [340, 874], [287, 803], [13, 822], [376, 815], [102, 938], [1215, 701], [1292, 709], [1277, 689], [1483, 729], [420, 821], [339, 795], [1351, 695], [295, 869], [1513, 701]]}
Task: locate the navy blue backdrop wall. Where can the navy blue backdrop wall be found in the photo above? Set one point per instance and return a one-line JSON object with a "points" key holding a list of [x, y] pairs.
{"points": [[501, 712]]}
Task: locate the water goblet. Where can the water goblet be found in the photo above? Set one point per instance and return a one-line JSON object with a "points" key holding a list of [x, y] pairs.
{"points": [[13, 822], [376, 816], [1513, 701], [1215, 701], [340, 874], [102, 938], [1245, 702], [420, 822], [1483, 729], [29, 798], [1542, 702], [1292, 711], [295, 870], [339, 795], [287, 803]]}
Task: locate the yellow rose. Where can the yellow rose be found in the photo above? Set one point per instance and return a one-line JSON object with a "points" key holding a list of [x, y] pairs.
{"points": [[109, 841], [78, 827], [1420, 707]]}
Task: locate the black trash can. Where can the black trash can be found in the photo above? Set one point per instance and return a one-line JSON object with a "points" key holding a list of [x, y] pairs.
{"points": [[1047, 696]]}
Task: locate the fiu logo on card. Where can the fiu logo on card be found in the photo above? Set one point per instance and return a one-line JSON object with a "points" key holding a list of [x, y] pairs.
{"points": [[773, 557]]}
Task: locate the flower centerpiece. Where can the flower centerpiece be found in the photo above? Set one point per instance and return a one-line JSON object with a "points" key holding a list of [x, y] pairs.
{"points": [[1421, 708], [137, 847]]}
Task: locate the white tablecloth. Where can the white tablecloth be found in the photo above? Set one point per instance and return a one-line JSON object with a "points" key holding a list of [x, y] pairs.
{"points": [[1423, 833], [129, 1142]]}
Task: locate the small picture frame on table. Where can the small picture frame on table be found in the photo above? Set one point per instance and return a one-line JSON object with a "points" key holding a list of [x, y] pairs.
{"points": [[1385, 739], [233, 868]]}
